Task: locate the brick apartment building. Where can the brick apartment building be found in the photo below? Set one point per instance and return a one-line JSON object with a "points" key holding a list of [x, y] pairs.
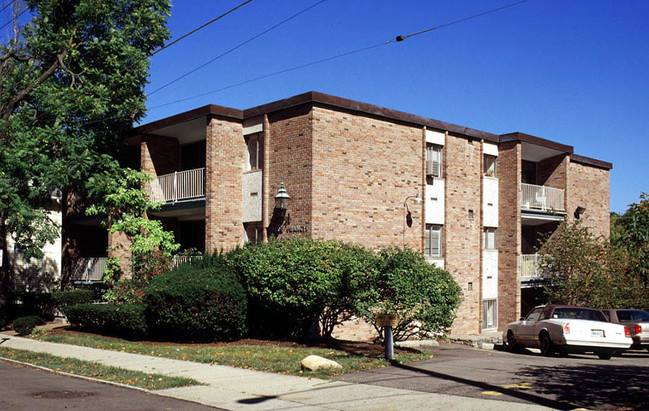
{"points": [[353, 172]]}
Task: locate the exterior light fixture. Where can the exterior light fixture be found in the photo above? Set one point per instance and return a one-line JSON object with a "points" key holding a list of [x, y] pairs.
{"points": [[408, 216], [282, 199], [579, 211]]}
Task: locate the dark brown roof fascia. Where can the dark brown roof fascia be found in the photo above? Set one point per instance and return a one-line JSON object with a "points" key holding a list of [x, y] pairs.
{"points": [[209, 110], [536, 140], [590, 162], [314, 97]]}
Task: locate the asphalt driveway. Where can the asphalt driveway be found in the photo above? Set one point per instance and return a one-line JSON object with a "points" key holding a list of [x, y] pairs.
{"points": [[558, 382]]}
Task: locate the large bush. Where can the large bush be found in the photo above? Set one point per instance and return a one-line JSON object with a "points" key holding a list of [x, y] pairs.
{"points": [[423, 296], [191, 303], [124, 320], [294, 283]]}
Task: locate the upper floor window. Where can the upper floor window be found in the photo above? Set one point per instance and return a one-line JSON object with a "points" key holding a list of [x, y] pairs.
{"points": [[489, 165], [434, 160], [489, 242], [254, 152], [433, 241]]}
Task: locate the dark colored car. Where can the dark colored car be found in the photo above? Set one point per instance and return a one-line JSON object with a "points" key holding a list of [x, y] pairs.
{"points": [[638, 323]]}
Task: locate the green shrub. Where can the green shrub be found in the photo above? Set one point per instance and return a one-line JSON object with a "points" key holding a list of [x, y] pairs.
{"points": [[191, 303], [72, 297], [25, 325], [123, 320], [294, 283], [33, 304], [423, 296]]}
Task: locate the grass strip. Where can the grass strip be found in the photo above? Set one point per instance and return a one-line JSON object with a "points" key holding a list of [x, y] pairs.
{"points": [[94, 370], [279, 358]]}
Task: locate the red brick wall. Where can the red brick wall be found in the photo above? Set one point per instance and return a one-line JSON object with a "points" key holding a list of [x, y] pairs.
{"points": [[159, 155], [589, 187], [363, 170], [553, 172], [463, 179], [508, 235], [225, 162]]}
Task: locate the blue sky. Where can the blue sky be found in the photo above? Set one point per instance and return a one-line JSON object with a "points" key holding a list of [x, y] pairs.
{"points": [[570, 71]]}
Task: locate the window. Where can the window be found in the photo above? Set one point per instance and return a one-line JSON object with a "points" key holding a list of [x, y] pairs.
{"points": [[489, 242], [253, 232], [489, 165], [434, 160], [254, 153], [433, 241], [489, 314]]}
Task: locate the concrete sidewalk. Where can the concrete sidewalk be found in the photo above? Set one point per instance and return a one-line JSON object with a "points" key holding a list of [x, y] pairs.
{"points": [[239, 389]]}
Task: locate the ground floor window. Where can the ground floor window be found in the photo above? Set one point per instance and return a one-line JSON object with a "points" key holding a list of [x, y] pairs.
{"points": [[489, 314], [253, 232]]}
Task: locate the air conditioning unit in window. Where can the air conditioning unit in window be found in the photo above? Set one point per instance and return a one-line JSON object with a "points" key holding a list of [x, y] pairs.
{"points": [[433, 168]]}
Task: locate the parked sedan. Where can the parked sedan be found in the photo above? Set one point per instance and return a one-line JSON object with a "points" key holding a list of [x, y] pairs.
{"points": [[638, 323], [564, 329]]}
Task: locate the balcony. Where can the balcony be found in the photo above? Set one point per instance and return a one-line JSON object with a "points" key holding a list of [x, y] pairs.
{"points": [[89, 269], [542, 198], [181, 185]]}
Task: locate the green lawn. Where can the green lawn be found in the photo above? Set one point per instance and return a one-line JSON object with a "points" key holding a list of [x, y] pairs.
{"points": [[94, 370], [263, 356]]}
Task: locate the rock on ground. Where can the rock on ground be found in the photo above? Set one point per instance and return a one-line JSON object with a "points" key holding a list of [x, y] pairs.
{"points": [[315, 363]]}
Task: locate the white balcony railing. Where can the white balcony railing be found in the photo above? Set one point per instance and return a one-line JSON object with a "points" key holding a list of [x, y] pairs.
{"points": [[542, 198], [181, 185], [530, 267], [88, 269]]}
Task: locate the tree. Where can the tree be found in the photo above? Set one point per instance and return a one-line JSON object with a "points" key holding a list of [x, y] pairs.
{"points": [[71, 85], [632, 234], [584, 269], [126, 204]]}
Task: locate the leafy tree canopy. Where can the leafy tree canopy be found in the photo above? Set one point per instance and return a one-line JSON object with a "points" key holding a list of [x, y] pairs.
{"points": [[71, 85], [631, 232]]}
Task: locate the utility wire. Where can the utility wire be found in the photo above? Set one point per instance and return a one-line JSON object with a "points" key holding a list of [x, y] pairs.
{"points": [[7, 5], [337, 56], [235, 47], [14, 18], [166, 46]]}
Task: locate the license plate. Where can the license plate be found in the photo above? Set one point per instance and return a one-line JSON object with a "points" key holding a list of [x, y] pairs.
{"points": [[597, 333]]}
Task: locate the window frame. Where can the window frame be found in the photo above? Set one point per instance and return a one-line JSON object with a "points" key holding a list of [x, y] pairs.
{"points": [[492, 166], [485, 238], [430, 230], [438, 151], [256, 148]]}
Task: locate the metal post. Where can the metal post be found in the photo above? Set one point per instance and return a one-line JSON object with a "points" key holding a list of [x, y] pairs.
{"points": [[389, 345]]}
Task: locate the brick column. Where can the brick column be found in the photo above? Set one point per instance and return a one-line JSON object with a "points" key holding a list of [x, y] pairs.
{"points": [[508, 237], [225, 161]]}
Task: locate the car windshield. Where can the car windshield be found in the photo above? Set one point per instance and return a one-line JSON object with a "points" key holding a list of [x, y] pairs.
{"points": [[578, 314], [627, 316]]}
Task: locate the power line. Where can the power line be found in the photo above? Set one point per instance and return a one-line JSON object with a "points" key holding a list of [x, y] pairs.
{"points": [[334, 57], [14, 18], [8, 4], [166, 46], [235, 48], [402, 38]]}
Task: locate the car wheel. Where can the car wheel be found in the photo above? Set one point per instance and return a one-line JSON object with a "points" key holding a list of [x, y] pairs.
{"points": [[547, 348], [512, 345], [604, 354]]}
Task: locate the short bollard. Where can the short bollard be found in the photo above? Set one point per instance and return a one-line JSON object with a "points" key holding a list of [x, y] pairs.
{"points": [[389, 343], [387, 321]]}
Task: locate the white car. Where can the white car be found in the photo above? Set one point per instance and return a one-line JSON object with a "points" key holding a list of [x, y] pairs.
{"points": [[564, 329]]}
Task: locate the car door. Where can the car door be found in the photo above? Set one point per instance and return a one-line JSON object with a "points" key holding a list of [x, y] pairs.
{"points": [[527, 329]]}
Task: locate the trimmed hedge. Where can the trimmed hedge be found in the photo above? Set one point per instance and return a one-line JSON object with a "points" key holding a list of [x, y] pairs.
{"points": [[72, 297], [125, 320], [191, 303], [25, 325]]}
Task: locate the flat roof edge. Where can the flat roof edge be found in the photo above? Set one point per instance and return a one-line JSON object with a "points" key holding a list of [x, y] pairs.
{"points": [[208, 110], [518, 136], [591, 162]]}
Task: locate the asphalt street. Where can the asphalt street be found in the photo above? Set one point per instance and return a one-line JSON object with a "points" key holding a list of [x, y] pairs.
{"points": [[559, 382], [25, 388]]}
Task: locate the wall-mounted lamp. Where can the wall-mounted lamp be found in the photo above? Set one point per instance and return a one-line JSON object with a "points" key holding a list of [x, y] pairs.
{"points": [[579, 211], [282, 199], [56, 194], [408, 216]]}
